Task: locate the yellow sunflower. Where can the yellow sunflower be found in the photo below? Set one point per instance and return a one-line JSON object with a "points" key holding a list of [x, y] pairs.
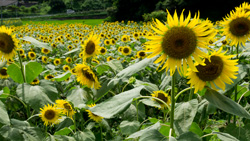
{"points": [[236, 27], [21, 51], [66, 67], [57, 61], [244, 6], [66, 108], [3, 73], [23, 56], [73, 71], [110, 58], [103, 50], [107, 42], [179, 40], [45, 51], [162, 96], [125, 38], [44, 59], [69, 47], [49, 76], [92, 116], [53, 45], [96, 61], [50, 114], [141, 54], [68, 60], [86, 76], [32, 55], [219, 68], [8, 43], [126, 50], [91, 47], [35, 82], [120, 49]]}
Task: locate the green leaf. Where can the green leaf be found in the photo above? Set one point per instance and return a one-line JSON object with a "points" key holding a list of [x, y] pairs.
{"points": [[148, 86], [64, 131], [151, 102], [153, 135], [100, 69], [196, 129], [146, 130], [115, 65], [64, 138], [225, 136], [78, 96], [67, 122], [226, 104], [106, 86], [116, 104], [129, 127], [241, 133], [184, 115], [37, 43], [72, 51], [15, 73], [4, 118], [32, 70], [85, 135], [63, 76], [6, 90], [189, 136]]}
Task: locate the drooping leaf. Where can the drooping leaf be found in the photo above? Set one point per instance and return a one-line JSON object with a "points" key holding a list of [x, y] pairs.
{"points": [[15, 73], [115, 65], [77, 96], [4, 118], [226, 104], [153, 135], [32, 70], [148, 86], [64, 131], [72, 51], [63, 76], [37, 43], [184, 115], [116, 104], [85, 135], [189, 136], [241, 133], [129, 127], [151, 102], [225, 136], [196, 129]]}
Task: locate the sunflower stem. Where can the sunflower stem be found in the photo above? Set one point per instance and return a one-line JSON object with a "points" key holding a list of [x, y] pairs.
{"points": [[137, 116], [75, 123], [172, 103], [101, 132], [21, 64], [191, 94], [235, 88]]}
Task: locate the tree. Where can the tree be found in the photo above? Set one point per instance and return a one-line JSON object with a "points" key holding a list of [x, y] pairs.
{"points": [[57, 6]]}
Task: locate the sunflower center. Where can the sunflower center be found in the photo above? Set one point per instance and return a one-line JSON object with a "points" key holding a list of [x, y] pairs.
{"points": [[102, 50], [162, 97], [3, 72], [142, 54], [125, 50], [32, 55], [240, 26], [50, 114], [35, 80], [179, 42], [46, 50], [90, 47], [211, 70], [67, 106], [88, 75], [6, 43], [50, 77]]}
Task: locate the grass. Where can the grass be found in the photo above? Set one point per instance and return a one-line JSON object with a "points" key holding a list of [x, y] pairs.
{"points": [[84, 21]]}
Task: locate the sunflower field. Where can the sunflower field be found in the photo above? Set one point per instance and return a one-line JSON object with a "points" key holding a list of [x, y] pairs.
{"points": [[183, 79]]}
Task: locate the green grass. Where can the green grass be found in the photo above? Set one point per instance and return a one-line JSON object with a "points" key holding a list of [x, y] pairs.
{"points": [[84, 21]]}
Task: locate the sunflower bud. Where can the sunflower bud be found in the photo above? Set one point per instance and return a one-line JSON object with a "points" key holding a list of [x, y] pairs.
{"points": [[131, 80]]}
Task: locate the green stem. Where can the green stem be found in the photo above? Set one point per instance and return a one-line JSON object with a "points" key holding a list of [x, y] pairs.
{"points": [[176, 97], [124, 87], [150, 97], [101, 132], [191, 94], [172, 103], [75, 123], [235, 88], [21, 64]]}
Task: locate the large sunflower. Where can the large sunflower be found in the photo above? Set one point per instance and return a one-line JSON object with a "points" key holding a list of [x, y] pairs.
{"points": [[8, 44], [236, 27], [3, 73], [92, 116], [219, 68], [179, 40], [162, 96], [66, 107], [50, 114], [91, 47], [126, 50], [86, 76]]}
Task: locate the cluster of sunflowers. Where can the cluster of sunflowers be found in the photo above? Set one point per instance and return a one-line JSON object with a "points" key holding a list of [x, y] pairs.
{"points": [[182, 44]]}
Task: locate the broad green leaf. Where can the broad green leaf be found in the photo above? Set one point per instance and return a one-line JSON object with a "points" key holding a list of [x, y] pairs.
{"points": [[66, 122], [226, 104], [165, 82], [151, 102], [100, 69], [85, 135], [132, 69], [241, 133], [148, 86], [15, 73], [115, 65], [184, 115], [63, 76], [37, 43], [78, 96], [50, 138], [196, 129], [164, 130], [4, 118], [189, 136], [72, 51], [64, 138], [32, 70], [225, 136], [131, 113], [64, 131], [116, 104], [146, 130], [153, 135], [6, 90], [129, 127]]}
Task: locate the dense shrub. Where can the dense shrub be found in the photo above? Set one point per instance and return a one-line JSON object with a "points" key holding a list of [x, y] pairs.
{"points": [[160, 15], [57, 6]]}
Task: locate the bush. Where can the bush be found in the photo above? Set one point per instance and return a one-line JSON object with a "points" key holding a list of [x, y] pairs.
{"points": [[160, 15], [57, 6]]}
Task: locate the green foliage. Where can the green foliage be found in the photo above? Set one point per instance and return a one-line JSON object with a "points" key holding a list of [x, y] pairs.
{"points": [[57, 6], [160, 15]]}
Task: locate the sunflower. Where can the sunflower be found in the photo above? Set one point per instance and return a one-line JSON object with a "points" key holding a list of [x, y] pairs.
{"points": [[45, 51], [125, 38], [162, 96], [219, 68], [44, 59], [141, 54], [107, 42], [66, 67], [35, 82], [103, 50], [126, 50], [53, 45], [69, 47], [49, 76], [57, 61], [68, 59], [120, 49], [96, 61], [21, 51], [50, 114], [32, 55], [110, 58], [136, 35], [86, 76], [178, 41], [92, 116], [236, 27], [23, 56], [91, 47], [3, 73], [66, 108], [8, 43], [244, 6], [73, 71]]}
